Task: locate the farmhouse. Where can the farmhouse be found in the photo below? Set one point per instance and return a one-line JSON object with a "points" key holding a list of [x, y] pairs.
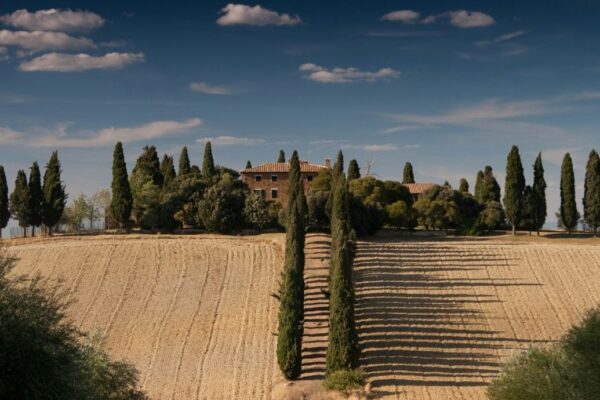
{"points": [[417, 189], [271, 179]]}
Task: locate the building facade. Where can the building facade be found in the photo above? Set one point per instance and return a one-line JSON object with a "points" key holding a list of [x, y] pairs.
{"points": [[271, 180]]}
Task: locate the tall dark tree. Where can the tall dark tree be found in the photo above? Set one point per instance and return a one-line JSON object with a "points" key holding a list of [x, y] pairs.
{"points": [[591, 197], [491, 188], [478, 192], [121, 201], [36, 197], [55, 197], [539, 195], [281, 157], [338, 167], [167, 169], [528, 212], [4, 210], [248, 164], [408, 176], [19, 202], [184, 162], [513, 188], [208, 164], [463, 187], [342, 350], [569, 216], [353, 170], [291, 309], [148, 164]]}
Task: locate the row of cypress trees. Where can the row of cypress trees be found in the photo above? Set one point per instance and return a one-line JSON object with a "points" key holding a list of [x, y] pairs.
{"points": [[162, 173], [591, 196], [342, 351], [33, 203], [291, 307], [523, 202]]}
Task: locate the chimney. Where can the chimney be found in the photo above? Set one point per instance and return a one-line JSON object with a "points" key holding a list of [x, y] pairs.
{"points": [[328, 162]]}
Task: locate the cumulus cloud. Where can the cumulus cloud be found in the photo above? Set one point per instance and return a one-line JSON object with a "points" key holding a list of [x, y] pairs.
{"points": [[109, 136], [53, 20], [321, 74], [404, 16], [60, 62], [240, 14], [205, 88], [38, 40], [463, 19], [231, 141], [457, 18]]}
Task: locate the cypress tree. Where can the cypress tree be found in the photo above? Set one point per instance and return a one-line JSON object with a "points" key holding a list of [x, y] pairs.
{"points": [[591, 198], [539, 195], [36, 197], [19, 201], [478, 192], [248, 164], [528, 212], [55, 197], [281, 157], [463, 187], [291, 308], [342, 351], [184, 162], [568, 207], [149, 164], [4, 211], [167, 169], [208, 164], [513, 188], [121, 202], [353, 170], [338, 167], [408, 175]]}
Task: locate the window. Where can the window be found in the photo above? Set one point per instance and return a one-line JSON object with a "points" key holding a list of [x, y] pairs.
{"points": [[309, 178], [274, 193], [273, 178], [258, 178], [259, 192]]}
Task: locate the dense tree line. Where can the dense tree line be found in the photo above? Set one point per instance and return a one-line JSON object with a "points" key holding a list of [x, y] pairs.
{"points": [[34, 203]]}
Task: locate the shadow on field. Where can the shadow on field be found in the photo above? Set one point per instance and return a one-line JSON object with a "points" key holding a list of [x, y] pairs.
{"points": [[418, 317]]}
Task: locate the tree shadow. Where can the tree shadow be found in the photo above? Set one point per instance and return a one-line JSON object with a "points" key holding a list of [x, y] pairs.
{"points": [[418, 318]]}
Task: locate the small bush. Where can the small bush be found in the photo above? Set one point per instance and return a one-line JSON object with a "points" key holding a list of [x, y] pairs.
{"points": [[344, 380]]}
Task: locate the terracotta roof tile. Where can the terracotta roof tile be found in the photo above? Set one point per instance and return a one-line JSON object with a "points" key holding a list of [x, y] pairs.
{"points": [[418, 188], [305, 166]]}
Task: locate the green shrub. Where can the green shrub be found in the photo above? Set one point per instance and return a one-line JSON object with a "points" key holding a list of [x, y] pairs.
{"points": [[345, 379], [569, 370]]}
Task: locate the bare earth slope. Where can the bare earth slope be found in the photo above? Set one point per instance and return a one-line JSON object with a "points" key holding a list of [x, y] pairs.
{"points": [[437, 317], [194, 314]]}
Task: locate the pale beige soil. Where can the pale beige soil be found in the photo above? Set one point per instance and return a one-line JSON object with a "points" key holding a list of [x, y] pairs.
{"points": [[194, 314], [437, 317]]}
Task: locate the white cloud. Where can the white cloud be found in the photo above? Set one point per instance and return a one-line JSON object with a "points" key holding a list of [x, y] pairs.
{"points": [[463, 19], [59, 62], [500, 39], [231, 141], [109, 136], [240, 14], [495, 114], [8, 135], [53, 20], [373, 148], [38, 40], [404, 16], [205, 88], [345, 75]]}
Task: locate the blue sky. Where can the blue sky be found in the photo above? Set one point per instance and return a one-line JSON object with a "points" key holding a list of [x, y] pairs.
{"points": [[447, 85]]}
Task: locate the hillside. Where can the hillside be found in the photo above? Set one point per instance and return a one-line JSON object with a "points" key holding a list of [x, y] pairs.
{"points": [[436, 316]]}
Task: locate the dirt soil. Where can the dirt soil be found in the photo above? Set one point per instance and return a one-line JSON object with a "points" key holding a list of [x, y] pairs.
{"points": [[194, 314], [436, 317]]}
